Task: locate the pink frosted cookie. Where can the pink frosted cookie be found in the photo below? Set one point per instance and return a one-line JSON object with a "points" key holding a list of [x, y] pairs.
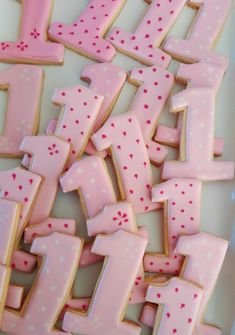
{"points": [[144, 43], [106, 79], [47, 297], [20, 186], [196, 143], [9, 217], [194, 75], [203, 252], [79, 109], [89, 176], [122, 133], [23, 261], [104, 316], [203, 34], [48, 227], [24, 85], [181, 198], [49, 157], [179, 302], [88, 257], [32, 45], [14, 296], [86, 34], [154, 86]]}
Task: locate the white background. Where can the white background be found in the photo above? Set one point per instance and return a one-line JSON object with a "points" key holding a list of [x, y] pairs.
{"points": [[218, 201]]}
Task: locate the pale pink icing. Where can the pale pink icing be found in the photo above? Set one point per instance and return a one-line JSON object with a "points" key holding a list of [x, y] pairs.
{"points": [[23, 261], [54, 152], [86, 34], [104, 316], [88, 257], [203, 34], [106, 79], [122, 133], [205, 255], [47, 297], [181, 198], [5, 273], [144, 43], [155, 85], [48, 227], [148, 315], [195, 75], [20, 186], [79, 109], [111, 219], [32, 45], [24, 85], [89, 176], [179, 302], [14, 296], [196, 160]]}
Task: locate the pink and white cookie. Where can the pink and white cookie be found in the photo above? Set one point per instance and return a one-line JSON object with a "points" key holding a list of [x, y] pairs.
{"points": [[181, 199], [179, 302], [106, 79], [47, 297], [14, 296], [86, 34], [201, 74], [203, 34], [154, 86], [23, 261], [103, 315], [23, 84], [49, 226], [79, 109], [196, 143], [49, 158], [122, 134], [203, 252], [89, 176], [31, 45], [144, 43]]}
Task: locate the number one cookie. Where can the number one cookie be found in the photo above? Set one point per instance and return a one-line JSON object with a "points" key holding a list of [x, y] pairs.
{"points": [[179, 302], [32, 45], [181, 199], [208, 24], [47, 297], [86, 34], [144, 43], [124, 252], [196, 146], [24, 85]]}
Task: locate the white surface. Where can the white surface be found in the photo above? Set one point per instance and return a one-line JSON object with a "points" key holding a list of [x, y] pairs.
{"points": [[218, 200]]}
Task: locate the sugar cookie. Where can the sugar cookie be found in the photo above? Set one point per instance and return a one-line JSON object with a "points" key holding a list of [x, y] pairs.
{"points": [[196, 153], [103, 316], [20, 186], [32, 46], [203, 252], [9, 218], [24, 85], [89, 176], [79, 109], [47, 297], [86, 34], [144, 43], [181, 198], [123, 135], [88, 257], [154, 86], [194, 75], [203, 34], [49, 226], [179, 302], [106, 79], [23, 261], [14, 296], [49, 158]]}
